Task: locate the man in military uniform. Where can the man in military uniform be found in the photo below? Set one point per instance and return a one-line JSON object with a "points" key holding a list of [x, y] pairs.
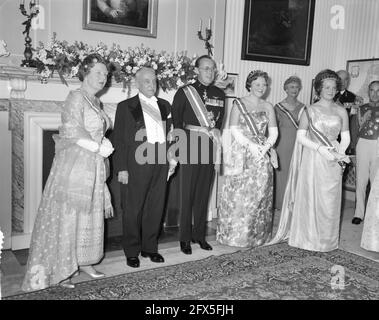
{"points": [[347, 99], [198, 109], [367, 151]]}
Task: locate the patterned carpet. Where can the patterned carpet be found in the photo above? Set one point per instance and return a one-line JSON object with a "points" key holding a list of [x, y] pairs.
{"points": [[274, 272]]}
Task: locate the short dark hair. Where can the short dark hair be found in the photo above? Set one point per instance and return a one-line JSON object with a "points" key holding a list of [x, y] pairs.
{"points": [[254, 75], [205, 56], [323, 75], [88, 63]]}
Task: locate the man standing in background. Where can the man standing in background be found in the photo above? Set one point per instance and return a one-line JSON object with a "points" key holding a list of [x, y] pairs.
{"points": [[367, 148]]}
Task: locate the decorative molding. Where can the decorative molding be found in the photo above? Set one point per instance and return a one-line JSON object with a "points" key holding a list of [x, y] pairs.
{"points": [[34, 125]]}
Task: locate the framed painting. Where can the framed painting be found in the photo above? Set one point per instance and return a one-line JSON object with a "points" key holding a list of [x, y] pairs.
{"points": [[362, 72], [278, 31], [231, 87], [134, 17]]}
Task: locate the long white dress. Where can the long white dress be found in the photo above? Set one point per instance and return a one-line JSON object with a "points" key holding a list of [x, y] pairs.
{"points": [[310, 216], [370, 234]]}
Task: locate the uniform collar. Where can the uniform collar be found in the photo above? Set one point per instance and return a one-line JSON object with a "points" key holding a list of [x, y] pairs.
{"points": [[200, 85]]}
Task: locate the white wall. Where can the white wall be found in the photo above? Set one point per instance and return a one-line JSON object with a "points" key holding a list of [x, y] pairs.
{"points": [[330, 48], [178, 22]]}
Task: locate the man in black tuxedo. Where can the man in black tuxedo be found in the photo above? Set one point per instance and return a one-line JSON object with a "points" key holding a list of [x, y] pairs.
{"points": [[199, 167], [347, 98], [140, 162]]}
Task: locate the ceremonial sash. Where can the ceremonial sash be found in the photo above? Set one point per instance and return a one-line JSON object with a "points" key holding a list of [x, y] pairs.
{"points": [[197, 105], [254, 130], [98, 112], [289, 115], [201, 112], [152, 112], [322, 138]]}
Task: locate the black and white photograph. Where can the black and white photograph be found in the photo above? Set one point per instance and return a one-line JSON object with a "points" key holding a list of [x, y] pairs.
{"points": [[190, 158]]}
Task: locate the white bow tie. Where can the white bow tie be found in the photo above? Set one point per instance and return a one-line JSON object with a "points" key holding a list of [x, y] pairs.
{"points": [[150, 100]]}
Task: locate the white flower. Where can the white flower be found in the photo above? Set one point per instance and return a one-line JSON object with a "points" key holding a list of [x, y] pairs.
{"points": [[49, 61], [74, 71], [135, 69]]}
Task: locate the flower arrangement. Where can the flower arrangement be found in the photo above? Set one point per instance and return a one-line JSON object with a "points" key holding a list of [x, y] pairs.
{"points": [[173, 70]]}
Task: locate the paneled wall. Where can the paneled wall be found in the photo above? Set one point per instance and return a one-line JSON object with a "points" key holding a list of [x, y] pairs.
{"points": [[330, 48]]}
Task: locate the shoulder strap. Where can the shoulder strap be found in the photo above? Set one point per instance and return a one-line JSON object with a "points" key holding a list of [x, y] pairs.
{"points": [[317, 133], [288, 114], [197, 105], [249, 120]]}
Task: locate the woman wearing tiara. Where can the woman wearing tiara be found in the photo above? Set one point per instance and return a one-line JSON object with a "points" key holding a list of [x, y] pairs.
{"points": [[69, 227], [288, 113], [311, 210], [245, 215]]}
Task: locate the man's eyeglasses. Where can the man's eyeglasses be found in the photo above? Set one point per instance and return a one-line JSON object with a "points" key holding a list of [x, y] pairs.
{"points": [[207, 69]]}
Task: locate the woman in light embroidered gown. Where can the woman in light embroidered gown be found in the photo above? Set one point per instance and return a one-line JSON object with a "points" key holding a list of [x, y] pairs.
{"points": [[370, 234], [245, 215], [69, 226], [287, 127], [311, 211]]}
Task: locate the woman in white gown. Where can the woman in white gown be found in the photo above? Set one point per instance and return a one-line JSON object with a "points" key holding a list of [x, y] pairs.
{"points": [[310, 216]]}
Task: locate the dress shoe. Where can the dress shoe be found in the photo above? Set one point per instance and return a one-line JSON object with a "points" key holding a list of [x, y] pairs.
{"points": [[67, 284], [185, 246], [203, 244], [132, 262], [154, 257], [94, 274], [356, 220]]}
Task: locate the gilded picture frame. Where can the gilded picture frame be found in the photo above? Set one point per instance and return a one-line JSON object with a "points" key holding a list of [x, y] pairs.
{"points": [[133, 17]]}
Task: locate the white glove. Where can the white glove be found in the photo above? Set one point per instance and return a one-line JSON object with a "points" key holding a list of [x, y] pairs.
{"points": [[88, 145], [172, 166], [106, 148]]}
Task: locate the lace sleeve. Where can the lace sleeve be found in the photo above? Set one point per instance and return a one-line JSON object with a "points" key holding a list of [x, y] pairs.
{"points": [[73, 118]]}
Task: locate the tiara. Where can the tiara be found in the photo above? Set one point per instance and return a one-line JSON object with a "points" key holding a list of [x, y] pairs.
{"points": [[252, 73]]}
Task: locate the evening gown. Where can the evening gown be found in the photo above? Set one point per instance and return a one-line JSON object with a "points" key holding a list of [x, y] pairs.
{"points": [[370, 234], [246, 198], [69, 226], [284, 148], [310, 216]]}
